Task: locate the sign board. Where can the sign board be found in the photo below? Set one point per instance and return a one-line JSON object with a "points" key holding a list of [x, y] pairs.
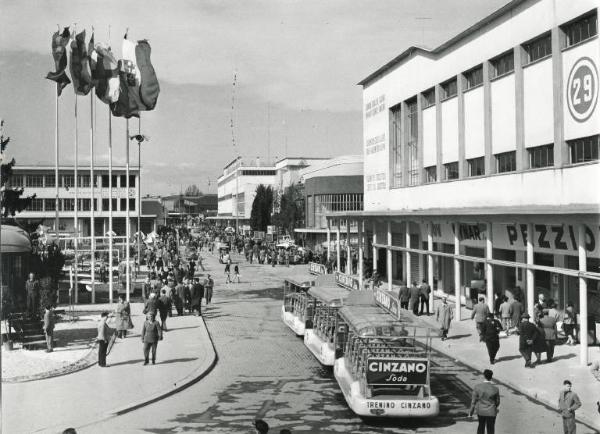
{"points": [[396, 372], [270, 229], [388, 301], [316, 268], [347, 281]]}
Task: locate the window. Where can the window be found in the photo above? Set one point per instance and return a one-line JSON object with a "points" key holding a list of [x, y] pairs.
{"points": [[50, 181], [114, 181], [68, 205], [258, 172], [84, 204], [451, 170], [396, 146], [34, 181], [538, 48], [105, 181], [310, 211], [474, 77], [429, 98], [16, 181], [123, 204], [327, 203], [105, 204], [584, 149], [449, 89], [476, 166], [37, 205], [430, 174], [123, 181], [49, 205], [506, 162], [132, 202], [67, 181], [84, 180], [581, 29], [503, 64], [541, 156], [412, 142], [131, 181]]}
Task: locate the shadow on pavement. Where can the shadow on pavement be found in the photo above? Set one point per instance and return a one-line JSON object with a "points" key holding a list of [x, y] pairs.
{"points": [[507, 358], [127, 362], [183, 359], [449, 338]]}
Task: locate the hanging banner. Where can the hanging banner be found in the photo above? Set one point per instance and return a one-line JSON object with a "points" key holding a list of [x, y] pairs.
{"points": [[387, 300], [316, 268], [346, 281]]}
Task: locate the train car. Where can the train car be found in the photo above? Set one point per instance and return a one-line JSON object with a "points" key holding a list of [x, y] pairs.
{"points": [[295, 299], [324, 302], [383, 363]]}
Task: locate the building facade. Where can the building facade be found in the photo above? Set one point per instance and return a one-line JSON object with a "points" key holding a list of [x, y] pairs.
{"points": [[479, 155]]}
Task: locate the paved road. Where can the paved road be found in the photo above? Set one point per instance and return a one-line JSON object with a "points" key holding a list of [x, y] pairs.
{"points": [[265, 371]]}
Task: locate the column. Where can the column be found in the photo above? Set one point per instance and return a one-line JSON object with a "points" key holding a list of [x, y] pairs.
{"points": [[487, 119], [430, 263], [438, 133], [530, 272], [374, 248], [337, 245], [560, 149], [389, 255], [489, 268], [408, 258], [460, 85], [522, 160], [348, 250], [457, 313], [360, 254], [328, 241], [583, 301]]}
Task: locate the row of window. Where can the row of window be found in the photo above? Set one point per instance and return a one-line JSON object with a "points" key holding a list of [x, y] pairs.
{"points": [[574, 32], [319, 205], [67, 181], [254, 172], [580, 151], [83, 205]]}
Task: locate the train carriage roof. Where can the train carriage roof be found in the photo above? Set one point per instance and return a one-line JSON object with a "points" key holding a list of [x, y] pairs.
{"points": [[302, 281], [329, 294], [365, 320]]}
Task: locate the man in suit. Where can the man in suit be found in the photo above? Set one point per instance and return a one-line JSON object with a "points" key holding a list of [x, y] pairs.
{"points": [[425, 291], [151, 334], [197, 295], [164, 307], [103, 337], [485, 401], [550, 333], [404, 296], [415, 293], [479, 314], [32, 286], [49, 328], [527, 334], [491, 329], [568, 402]]}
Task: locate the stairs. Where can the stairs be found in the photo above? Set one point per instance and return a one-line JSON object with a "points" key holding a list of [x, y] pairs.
{"points": [[29, 331]]}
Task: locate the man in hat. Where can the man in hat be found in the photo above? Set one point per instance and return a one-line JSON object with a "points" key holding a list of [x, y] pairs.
{"points": [[443, 315], [527, 334], [490, 329], [479, 314]]}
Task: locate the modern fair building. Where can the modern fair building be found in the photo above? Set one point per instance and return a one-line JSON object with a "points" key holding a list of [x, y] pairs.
{"points": [[481, 159]]}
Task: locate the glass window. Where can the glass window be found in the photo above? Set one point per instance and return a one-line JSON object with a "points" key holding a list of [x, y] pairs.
{"points": [[37, 205], [123, 203], [68, 181], [581, 29], [451, 170], [474, 77], [429, 98], [584, 149], [49, 205], [34, 181], [506, 162], [396, 145], [68, 204], [541, 156], [476, 166], [84, 180], [449, 89], [538, 48], [132, 203], [17, 181], [430, 174], [123, 181], [84, 204], [503, 64], [105, 204], [131, 181], [412, 136], [115, 181], [50, 181], [105, 181]]}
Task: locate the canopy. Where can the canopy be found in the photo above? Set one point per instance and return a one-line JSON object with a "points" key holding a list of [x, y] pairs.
{"points": [[330, 295], [14, 240], [374, 321], [302, 282]]}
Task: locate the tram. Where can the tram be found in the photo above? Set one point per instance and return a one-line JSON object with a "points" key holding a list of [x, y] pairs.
{"points": [[383, 363], [324, 303], [295, 300]]}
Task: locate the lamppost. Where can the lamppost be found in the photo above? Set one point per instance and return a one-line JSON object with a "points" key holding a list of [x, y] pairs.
{"points": [[139, 138]]}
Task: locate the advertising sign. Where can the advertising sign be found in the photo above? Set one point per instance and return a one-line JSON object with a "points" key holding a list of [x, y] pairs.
{"points": [[316, 268], [396, 372], [387, 300], [347, 281]]}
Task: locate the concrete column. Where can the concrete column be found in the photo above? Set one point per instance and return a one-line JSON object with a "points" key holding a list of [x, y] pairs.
{"points": [[487, 120], [348, 250], [457, 313], [328, 241], [430, 263], [583, 301], [460, 84], [403, 147], [438, 133], [530, 272], [389, 255], [408, 258], [522, 160], [489, 268], [374, 248], [560, 149], [337, 245], [360, 254], [420, 138]]}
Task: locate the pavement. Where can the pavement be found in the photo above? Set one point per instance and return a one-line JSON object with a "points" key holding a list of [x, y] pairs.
{"points": [[184, 356], [541, 384]]}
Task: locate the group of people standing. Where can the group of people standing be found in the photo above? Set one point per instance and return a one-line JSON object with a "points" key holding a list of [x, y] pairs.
{"points": [[415, 296]]}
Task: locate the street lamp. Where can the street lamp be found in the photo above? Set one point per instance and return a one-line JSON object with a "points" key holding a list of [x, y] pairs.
{"points": [[139, 138]]}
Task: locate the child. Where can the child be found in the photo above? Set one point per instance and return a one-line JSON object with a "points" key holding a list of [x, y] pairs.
{"points": [[236, 273]]}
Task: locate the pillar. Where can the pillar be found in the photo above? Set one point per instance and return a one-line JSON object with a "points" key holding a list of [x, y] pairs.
{"points": [[583, 307], [328, 241], [348, 250], [457, 313], [430, 263], [374, 248], [489, 268], [360, 255], [337, 245], [530, 272], [408, 258], [389, 254]]}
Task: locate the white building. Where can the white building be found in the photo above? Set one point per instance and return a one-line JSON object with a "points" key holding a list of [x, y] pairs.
{"points": [[40, 180], [475, 144]]}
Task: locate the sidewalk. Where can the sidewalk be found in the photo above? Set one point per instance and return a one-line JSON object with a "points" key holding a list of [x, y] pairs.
{"points": [[184, 356], [541, 384]]}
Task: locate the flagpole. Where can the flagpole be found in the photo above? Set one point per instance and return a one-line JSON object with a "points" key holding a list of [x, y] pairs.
{"points": [[139, 190], [76, 208], [127, 221], [56, 200], [110, 211], [93, 205]]}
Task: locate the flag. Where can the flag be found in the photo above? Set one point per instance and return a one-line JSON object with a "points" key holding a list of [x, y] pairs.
{"points": [[93, 56], [80, 66], [106, 72], [59, 54], [129, 103], [149, 88]]}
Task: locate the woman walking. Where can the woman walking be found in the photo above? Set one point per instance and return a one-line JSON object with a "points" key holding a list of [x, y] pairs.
{"points": [[123, 317]]}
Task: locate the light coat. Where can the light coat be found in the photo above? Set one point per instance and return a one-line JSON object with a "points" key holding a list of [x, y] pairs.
{"points": [[485, 399], [444, 315]]}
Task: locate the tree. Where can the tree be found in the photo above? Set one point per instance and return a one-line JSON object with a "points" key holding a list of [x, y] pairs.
{"points": [[260, 217], [192, 190], [291, 209]]}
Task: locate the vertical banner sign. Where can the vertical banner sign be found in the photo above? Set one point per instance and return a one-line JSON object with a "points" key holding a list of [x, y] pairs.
{"points": [[316, 268], [388, 301], [347, 281]]}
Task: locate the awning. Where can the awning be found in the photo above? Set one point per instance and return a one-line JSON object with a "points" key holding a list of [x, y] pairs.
{"points": [[14, 240]]}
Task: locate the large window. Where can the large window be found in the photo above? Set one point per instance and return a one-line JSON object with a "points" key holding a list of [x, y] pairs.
{"points": [[84, 180], [241, 202], [123, 203], [326, 203], [131, 181], [584, 149], [310, 211], [538, 48], [84, 204], [68, 204], [429, 98], [105, 181], [396, 146], [37, 205], [17, 181], [67, 181], [105, 204], [503, 64], [449, 89], [412, 142], [430, 174], [474, 77], [581, 29], [49, 205], [34, 181], [476, 166], [506, 162], [451, 170], [258, 172], [50, 181], [541, 156]]}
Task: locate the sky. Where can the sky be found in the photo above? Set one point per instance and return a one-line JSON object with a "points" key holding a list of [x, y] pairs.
{"points": [[296, 64]]}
